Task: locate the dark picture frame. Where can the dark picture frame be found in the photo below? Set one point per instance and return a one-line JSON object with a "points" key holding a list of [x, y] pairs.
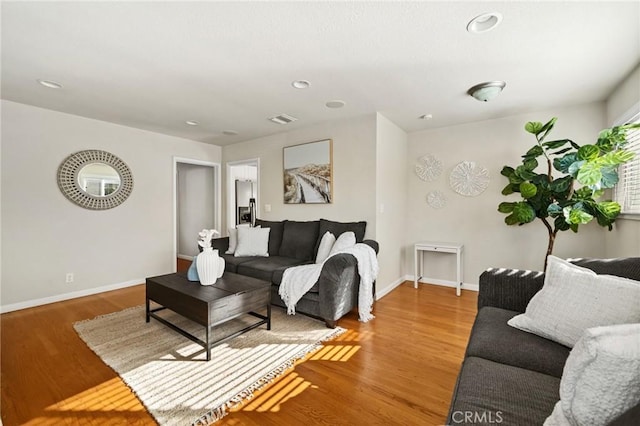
{"points": [[308, 173]]}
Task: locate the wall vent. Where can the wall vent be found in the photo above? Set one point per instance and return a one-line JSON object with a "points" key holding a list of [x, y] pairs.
{"points": [[282, 119]]}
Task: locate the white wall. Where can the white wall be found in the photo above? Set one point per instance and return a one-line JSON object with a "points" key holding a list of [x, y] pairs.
{"points": [[391, 201], [354, 174], [624, 240], [196, 205], [475, 221], [46, 236]]}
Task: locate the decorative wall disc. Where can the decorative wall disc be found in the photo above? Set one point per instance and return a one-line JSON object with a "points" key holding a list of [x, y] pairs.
{"points": [[429, 167], [469, 179], [436, 199]]}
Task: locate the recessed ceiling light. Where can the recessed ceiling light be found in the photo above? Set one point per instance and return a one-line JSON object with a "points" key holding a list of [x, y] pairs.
{"points": [[335, 104], [50, 84], [485, 22], [229, 132], [300, 84], [426, 117], [192, 122]]}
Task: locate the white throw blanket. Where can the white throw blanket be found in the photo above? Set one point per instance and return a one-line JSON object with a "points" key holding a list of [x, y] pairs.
{"points": [[298, 280]]}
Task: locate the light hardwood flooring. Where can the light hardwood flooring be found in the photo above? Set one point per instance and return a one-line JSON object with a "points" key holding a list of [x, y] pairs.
{"points": [[399, 369]]}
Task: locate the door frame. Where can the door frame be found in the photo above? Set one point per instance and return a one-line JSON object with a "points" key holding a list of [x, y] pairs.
{"points": [[231, 189], [217, 186]]}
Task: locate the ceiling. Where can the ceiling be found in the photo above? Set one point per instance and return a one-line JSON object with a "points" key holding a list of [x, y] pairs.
{"points": [[230, 65]]}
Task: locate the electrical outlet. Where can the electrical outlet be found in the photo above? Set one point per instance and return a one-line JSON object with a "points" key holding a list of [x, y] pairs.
{"points": [[70, 277]]}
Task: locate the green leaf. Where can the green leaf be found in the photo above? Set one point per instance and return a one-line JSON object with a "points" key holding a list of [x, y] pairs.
{"points": [[609, 177], [508, 189], [588, 152], [556, 144], [528, 189], [615, 158], [523, 212], [560, 223], [523, 173], [575, 167], [534, 151], [554, 210], [609, 209], [589, 174], [597, 193], [562, 164], [561, 185], [511, 220], [562, 151], [515, 179], [533, 127], [530, 164], [584, 193], [576, 216], [547, 127], [506, 207], [507, 171]]}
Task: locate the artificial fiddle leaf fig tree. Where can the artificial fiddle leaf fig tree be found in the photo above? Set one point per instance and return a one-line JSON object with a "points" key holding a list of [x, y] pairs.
{"points": [[570, 200]]}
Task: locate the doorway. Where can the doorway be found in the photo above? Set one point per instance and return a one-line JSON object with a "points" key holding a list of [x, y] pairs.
{"points": [[242, 185], [197, 205]]}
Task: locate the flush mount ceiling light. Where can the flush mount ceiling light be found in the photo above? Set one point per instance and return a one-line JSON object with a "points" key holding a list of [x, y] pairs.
{"points": [[485, 22], [192, 122], [335, 104], [426, 117], [300, 84], [486, 91], [50, 84], [282, 119]]}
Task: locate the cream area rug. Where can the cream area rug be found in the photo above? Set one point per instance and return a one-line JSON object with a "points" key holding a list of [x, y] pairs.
{"points": [[169, 374]]}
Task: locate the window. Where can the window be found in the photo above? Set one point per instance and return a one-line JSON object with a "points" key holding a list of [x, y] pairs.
{"points": [[627, 191]]}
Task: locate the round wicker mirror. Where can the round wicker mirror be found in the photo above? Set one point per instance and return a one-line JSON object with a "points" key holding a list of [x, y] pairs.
{"points": [[94, 179]]}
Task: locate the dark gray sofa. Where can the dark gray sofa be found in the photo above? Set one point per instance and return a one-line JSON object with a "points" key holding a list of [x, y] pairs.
{"points": [[293, 243], [508, 376]]}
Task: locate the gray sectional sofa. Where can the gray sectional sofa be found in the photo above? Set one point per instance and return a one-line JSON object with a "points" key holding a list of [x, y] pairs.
{"points": [[509, 376], [293, 243]]}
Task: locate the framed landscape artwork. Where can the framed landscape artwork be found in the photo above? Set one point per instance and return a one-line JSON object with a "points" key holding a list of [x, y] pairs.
{"points": [[308, 170]]}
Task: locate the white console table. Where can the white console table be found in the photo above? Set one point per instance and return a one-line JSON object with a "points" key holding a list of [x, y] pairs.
{"points": [[418, 257]]}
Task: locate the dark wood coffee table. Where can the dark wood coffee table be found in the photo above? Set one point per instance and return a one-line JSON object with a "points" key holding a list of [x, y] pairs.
{"points": [[230, 297]]}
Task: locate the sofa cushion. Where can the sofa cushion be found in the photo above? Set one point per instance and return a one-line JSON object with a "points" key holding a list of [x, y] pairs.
{"points": [[574, 299], [489, 393], [627, 267], [337, 228], [275, 236], [493, 339], [601, 379], [232, 262], [264, 267], [299, 239]]}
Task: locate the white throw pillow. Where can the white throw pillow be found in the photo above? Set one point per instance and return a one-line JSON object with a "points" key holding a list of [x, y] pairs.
{"points": [[601, 379], [345, 241], [574, 299], [252, 242], [326, 244]]}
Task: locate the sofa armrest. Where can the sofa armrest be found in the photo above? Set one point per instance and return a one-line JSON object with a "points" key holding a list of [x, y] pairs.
{"points": [[508, 288], [373, 244], [338, 287], [220, 244]]}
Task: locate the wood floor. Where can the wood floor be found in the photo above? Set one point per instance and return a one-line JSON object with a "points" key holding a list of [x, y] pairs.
{"points": [[398, 369]]}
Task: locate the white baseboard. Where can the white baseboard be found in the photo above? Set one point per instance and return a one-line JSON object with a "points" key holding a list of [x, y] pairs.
{"points": [[380, 293], [444, 283], [185, 257], [67, 296]]}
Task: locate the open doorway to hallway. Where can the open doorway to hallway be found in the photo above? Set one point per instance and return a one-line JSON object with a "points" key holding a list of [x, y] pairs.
{"points": [[197, 206]]}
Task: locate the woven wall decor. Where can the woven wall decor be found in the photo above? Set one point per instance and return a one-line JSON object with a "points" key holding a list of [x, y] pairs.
{"points": [[429, 167], [69, 186], [469, 179], [436, 199]]}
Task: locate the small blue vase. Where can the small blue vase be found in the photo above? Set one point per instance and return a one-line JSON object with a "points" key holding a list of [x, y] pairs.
{"points": [[192, 273]]}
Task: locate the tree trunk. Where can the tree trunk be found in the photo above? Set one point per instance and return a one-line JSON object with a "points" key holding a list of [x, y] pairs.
{"points": [[552, 239]]}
